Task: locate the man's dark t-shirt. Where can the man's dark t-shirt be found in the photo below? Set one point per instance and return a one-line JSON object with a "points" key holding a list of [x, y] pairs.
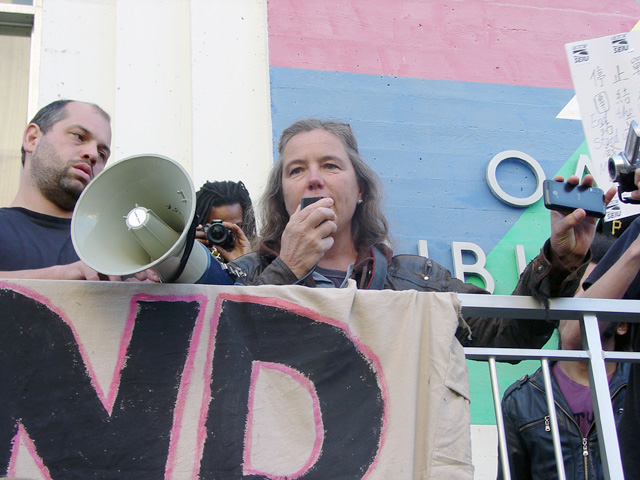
{"points": [[30, 240]]}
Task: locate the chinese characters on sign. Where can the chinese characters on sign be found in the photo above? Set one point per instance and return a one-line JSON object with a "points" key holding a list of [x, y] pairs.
{"points": [[606, 78]]}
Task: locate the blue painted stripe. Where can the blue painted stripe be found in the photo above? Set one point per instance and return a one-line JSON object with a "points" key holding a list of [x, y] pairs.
{"points": [[431, 141]]}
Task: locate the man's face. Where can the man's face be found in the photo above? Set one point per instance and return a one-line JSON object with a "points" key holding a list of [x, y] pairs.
{"points": [[70, 154], [571, 338]]}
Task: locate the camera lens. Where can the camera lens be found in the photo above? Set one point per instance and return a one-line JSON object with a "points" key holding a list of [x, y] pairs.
{"points": [[221, 236], [217, 233], [613, 168]]}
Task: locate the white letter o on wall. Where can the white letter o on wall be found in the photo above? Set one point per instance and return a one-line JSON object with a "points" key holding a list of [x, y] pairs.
{"points": [[504, 196]]}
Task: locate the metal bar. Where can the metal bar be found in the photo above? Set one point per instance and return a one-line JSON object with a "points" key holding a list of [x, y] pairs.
{"points": [[17, 15], [589, 312], [503, 354], [497, 405], [514, 306], [621, 357], [601, 399], [553, 419]]}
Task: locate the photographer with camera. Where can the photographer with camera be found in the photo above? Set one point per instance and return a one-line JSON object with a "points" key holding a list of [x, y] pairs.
{"points": [[227, 219]]}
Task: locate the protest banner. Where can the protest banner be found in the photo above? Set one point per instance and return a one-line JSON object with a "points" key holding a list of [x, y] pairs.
{"points": [[121, 380]]}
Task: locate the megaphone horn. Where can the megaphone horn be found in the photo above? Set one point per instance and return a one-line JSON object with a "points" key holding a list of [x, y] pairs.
{"points": [[138, 214]]}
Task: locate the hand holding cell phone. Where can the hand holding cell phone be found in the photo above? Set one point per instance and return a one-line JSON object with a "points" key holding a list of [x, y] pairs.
{"points": [[566, 197]]}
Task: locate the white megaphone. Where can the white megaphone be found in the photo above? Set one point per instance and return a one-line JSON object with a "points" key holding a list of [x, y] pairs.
{"points": [[139, 214]]}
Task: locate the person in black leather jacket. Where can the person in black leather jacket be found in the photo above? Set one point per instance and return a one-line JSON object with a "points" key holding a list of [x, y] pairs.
{"points": [[344, 235], [526, 415]]}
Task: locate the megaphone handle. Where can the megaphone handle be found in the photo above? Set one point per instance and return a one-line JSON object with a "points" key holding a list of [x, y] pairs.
{"points": [[191, 237]]}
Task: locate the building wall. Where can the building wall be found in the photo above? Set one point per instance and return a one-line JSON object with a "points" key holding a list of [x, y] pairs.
{"points": [[433, 90], [187, 78]]}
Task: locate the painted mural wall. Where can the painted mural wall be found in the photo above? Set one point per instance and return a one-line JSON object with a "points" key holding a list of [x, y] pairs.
{"points": [[434, 90]]}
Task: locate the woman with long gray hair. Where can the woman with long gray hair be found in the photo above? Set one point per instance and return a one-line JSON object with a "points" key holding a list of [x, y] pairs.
{"points": [[322, 225]]}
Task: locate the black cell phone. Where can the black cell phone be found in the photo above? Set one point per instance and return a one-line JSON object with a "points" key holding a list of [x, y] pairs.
{"points": [[305, 202], [566, 197]]}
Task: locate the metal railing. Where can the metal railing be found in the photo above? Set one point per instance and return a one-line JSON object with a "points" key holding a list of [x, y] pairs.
{"points": [[588, 312]]}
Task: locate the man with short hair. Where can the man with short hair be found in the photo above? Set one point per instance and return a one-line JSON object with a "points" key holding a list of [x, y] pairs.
{"points": [[63, 148]]}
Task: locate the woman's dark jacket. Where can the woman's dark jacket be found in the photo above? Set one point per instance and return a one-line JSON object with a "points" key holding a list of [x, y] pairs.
{"points": [[413, 272], [529, 440]]}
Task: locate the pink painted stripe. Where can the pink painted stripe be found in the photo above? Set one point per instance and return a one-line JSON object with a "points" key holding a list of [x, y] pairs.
{"points": [[185, 381], [201, 430], [23, 437], [317, 417], [513, 42]]}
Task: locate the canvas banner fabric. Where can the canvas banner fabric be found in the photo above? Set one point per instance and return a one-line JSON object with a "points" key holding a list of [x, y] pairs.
{"points": [[136, 380]]}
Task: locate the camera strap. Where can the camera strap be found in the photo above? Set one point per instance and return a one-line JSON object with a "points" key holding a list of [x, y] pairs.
{"points": [[379, 270], [188, 246]]}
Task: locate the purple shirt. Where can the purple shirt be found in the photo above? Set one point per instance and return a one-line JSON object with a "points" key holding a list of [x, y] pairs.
{"points": [[578, 397]]}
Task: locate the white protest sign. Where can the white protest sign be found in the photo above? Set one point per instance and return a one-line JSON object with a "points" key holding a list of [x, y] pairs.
{"points": [[606, 79]]}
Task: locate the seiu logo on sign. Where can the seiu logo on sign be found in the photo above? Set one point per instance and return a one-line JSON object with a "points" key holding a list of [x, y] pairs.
{"points": [[580, 54], [619, 44]]}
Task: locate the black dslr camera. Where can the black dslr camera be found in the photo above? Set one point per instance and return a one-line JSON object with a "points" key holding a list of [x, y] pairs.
{"points": [[622, 167], [219, 235]]}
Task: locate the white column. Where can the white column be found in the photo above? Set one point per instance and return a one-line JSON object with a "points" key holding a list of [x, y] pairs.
{"points": [[231, 96], [153, 79], [76, 53], [188, 79]]}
